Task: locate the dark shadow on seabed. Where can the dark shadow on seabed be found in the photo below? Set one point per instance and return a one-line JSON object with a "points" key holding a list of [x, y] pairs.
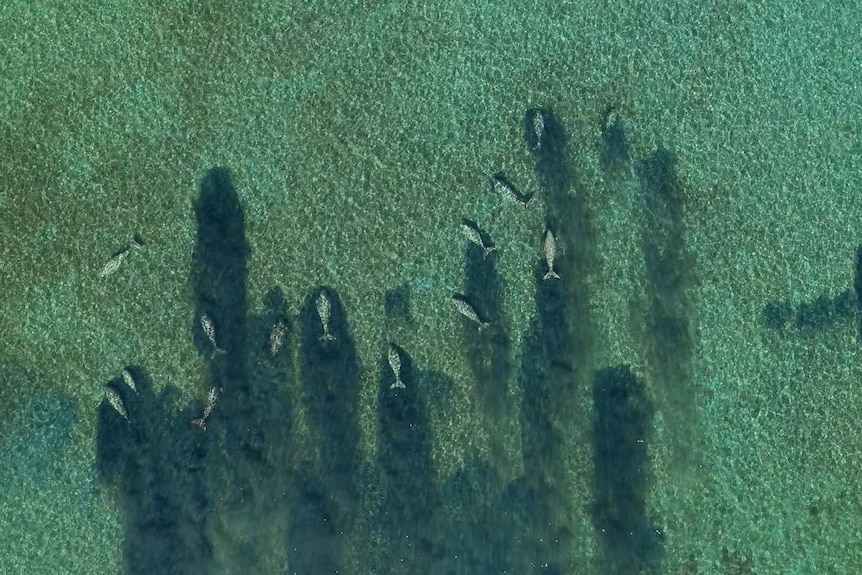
{"points": [[189, 495], [488, 353], [163, 467], [404, 468], [621, 426], [558, 347], [157, 463], [171, 476], [249, 429], [478, 523], [186, 493], [622, 411], [670, 272], [554, 377], [326, 499]]}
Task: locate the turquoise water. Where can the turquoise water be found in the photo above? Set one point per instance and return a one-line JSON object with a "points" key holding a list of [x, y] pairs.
{"points": [[681, 400]]}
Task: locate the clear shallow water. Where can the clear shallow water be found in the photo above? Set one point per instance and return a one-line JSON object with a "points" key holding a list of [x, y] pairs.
{"points": [[682, 401]]}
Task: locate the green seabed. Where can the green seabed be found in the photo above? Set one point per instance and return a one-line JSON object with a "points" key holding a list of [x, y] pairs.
{"points": [[358, 138]]}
